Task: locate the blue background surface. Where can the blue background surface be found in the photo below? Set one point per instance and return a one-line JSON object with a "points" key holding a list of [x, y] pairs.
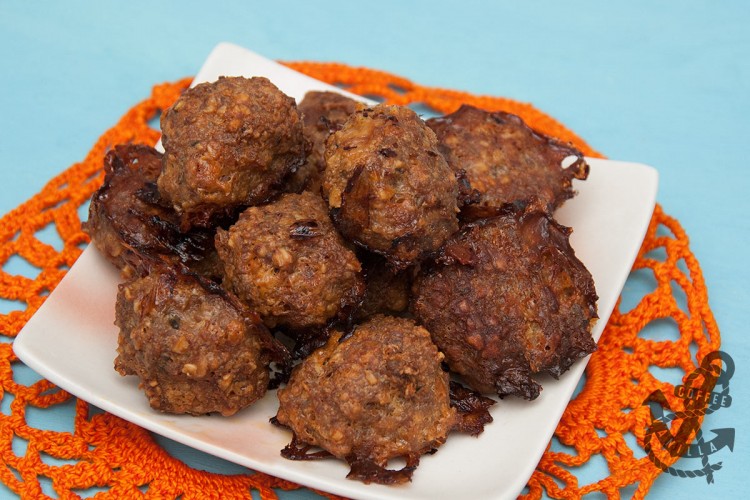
{"points": [[667, 84]]}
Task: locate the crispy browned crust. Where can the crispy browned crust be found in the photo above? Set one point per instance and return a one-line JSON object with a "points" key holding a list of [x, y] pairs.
{"points": [[322, 114], [368, 471], [386, 291], [195, 349], [126, 219], [388, 187], [377, 394], [472, 409], [506, 161], [228, 144], [507, 299], [286, 261]]}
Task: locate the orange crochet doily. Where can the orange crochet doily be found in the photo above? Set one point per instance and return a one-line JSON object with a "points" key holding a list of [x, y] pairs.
{"points": [[115, 457]]}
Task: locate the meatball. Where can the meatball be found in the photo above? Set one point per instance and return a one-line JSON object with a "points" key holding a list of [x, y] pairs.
{"points": [[507, 299], [322, 114], [194, 349], [228, 144], [388, 187], [286, 261], [506, 161], [126, 219], [375, 395]]}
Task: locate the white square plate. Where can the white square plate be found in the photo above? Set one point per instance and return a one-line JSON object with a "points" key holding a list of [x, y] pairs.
{"points": [[72, 342]]}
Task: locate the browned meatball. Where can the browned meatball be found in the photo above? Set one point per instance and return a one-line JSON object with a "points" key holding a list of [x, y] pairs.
{"points": [[287, 262], [505, 160], [509, 299], [228, 144], [379, 394], [388, 187], [126, 220], [322, 114], [194, 349]]}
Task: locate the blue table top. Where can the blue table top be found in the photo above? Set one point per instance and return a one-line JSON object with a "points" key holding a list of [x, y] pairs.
{"points": [[667, 84]]}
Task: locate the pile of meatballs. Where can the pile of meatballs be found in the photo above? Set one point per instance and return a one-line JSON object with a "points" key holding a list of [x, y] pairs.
{"points": [[369, 263]]}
